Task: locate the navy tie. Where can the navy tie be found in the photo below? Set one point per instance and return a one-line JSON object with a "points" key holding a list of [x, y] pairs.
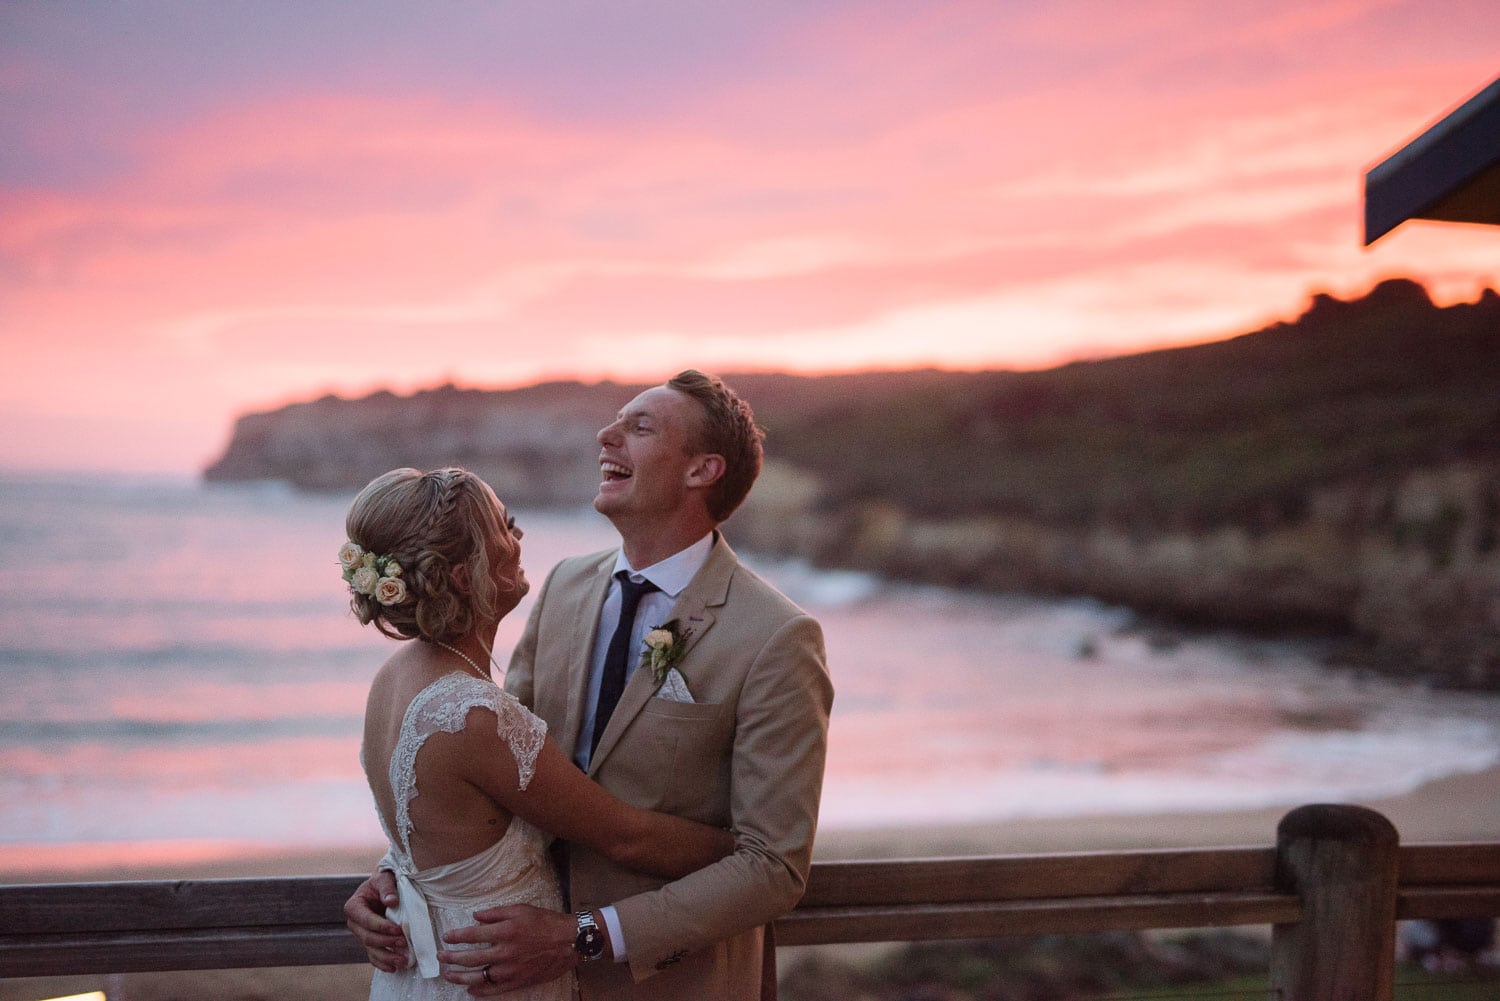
{"points": [[617, 658]]}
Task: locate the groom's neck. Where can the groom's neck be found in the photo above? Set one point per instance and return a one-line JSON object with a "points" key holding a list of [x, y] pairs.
{"points": [[645, 548]]}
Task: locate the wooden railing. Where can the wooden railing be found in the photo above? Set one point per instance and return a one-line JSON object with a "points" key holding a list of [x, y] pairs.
{"points": [[1332, 887]]}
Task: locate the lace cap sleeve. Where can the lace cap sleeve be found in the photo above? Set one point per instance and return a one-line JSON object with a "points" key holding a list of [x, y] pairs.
{"points": [[447, 704], [523, 731], [443, 707]]}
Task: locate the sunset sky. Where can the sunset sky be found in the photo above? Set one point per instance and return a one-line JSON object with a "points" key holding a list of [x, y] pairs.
{"points": [[212, 208]]}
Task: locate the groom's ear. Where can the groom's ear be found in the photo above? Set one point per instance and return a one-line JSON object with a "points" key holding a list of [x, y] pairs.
{"points": [[706, 470]]}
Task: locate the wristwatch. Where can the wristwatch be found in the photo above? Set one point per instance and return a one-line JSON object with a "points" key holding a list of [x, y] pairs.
{"points": [[590, 941]]}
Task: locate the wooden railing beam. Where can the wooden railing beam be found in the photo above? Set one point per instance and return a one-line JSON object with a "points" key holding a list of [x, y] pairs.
{"points": [[227, 948], [1448, 902], [1080, 915], [1036, 877], [1332, 880]]}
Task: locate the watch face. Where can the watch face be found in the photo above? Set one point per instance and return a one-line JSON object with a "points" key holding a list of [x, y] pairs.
{"points": [[590, 941]]}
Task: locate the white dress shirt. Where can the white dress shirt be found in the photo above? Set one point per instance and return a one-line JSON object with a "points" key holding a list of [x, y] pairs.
{"points": [[670, 576]]}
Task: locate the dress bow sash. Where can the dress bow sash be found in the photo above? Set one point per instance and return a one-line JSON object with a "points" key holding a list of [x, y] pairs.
{"points": [[415, 919]]}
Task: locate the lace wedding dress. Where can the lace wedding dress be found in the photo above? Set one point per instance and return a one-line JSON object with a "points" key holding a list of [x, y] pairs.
{"points": [[514, 870]]}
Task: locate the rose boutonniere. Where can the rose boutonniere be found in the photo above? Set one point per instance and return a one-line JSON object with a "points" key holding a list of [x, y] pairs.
{"points": [[664, 647]]}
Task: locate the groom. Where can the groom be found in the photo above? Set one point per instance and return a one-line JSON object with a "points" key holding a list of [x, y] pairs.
{"points": [[736, 738]]}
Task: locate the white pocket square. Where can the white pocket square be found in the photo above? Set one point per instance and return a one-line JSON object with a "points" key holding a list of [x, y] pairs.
{"points": [[675, 688]]}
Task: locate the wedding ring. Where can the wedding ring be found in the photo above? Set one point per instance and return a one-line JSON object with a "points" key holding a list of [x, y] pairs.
{"points": [[485, 973]]}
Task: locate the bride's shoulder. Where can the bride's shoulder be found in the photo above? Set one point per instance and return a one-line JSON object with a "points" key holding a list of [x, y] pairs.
{"points": [[447, 700], [459, 688], [459, 693]]}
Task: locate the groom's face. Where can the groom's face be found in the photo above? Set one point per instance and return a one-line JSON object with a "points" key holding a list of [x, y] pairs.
{"points": [[645, 456]]}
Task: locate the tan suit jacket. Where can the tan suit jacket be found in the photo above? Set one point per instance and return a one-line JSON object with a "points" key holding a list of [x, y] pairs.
{"points": [[747, 754]]}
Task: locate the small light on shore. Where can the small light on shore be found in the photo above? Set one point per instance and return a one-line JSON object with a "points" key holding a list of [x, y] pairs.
{"points": [[90, 996]]}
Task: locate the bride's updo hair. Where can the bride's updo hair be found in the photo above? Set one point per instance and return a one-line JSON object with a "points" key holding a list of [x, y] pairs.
{"points": [[436, 526]]}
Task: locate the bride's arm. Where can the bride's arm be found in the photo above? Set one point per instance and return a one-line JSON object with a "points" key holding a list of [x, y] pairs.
{"points": [[563, 801]]}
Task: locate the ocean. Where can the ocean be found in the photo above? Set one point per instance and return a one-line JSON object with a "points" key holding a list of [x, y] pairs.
{"points": [[180, 678]]}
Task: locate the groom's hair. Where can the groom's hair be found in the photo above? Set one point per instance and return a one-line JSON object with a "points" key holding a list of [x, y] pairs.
{"points": [[728, 429]]}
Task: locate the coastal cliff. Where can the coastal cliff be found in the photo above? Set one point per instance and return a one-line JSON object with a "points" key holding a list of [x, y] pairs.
{"points": [[1338, 472], [532, 444]]}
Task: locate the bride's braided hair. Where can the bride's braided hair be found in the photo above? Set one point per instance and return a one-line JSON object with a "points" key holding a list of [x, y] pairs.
{"points": [[435, 525]]}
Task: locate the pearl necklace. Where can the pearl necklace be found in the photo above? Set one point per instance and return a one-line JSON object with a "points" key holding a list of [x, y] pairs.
{"points": [[477, 670]]}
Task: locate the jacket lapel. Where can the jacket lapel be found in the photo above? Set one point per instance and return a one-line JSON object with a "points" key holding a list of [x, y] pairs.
{"points": [[694, 611], [577, 647]]}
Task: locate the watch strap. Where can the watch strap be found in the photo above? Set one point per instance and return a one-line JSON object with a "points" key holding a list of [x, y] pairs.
{"points": [[590, 941]]}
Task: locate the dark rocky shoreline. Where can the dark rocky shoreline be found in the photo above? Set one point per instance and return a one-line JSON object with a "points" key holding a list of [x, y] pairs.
{"points": [[1392, 607], [1338, 474]]}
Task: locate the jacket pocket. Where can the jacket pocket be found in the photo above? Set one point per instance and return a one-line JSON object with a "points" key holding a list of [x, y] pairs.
{"points": [[678, 754]]}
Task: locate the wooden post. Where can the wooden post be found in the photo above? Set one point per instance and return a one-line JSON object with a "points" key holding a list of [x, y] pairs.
{"points": [[1342, 862]]}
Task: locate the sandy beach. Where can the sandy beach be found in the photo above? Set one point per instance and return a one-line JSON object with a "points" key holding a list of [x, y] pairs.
{"points": [[1455, 809]]}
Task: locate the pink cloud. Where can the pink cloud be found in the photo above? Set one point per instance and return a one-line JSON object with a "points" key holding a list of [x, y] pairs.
{"points": [[871, 191]]}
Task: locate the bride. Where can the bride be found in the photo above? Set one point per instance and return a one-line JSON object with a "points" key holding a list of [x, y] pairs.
{"points": [[467, 783]]}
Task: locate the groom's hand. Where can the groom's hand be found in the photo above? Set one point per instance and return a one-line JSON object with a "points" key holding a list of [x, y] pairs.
{"points": [[364, 913], [521, 946]]}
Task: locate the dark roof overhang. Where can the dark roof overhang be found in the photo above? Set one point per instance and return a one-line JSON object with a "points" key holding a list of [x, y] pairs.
{"points": [[1449, 173]]}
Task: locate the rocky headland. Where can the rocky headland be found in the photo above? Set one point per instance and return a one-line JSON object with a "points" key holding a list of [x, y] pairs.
{"points": [[1338, 472]]}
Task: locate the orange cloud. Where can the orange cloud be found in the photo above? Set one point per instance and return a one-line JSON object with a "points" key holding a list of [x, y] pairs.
{"points": [[953, 184]]}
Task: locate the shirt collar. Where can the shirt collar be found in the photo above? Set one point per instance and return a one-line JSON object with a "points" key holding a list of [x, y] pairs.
{"points": [[672, 574]]}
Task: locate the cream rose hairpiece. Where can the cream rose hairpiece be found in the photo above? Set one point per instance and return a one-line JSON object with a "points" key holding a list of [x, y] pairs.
{"points": [[378, 577]]}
